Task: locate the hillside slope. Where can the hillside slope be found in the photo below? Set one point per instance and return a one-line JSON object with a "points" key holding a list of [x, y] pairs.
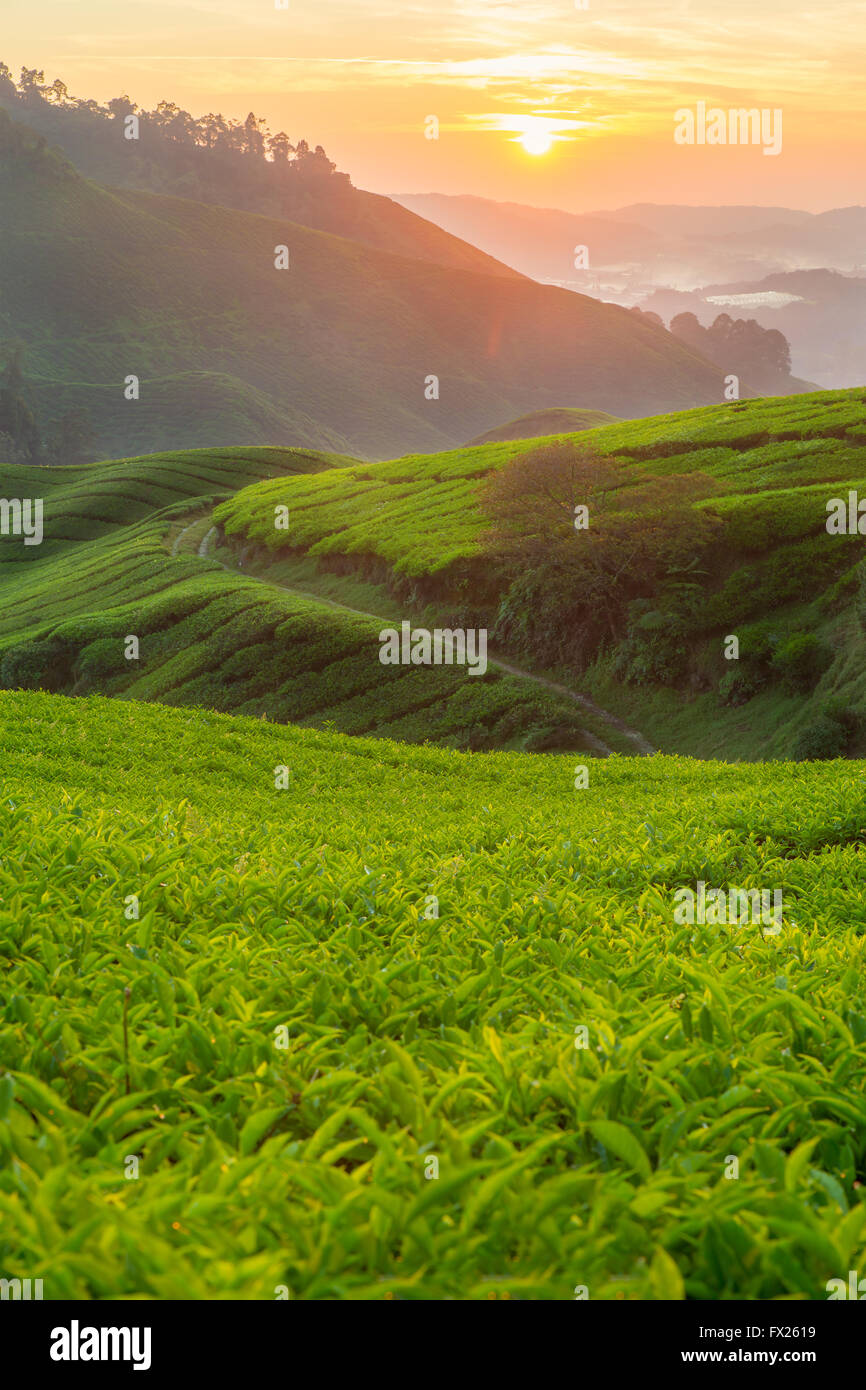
{"points": [[764, 569], [422, 1025], [156, 163], [114, 564], [338, 350]]}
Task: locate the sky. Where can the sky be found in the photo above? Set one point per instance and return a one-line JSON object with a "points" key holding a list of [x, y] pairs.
{"points": [[537, 101]]}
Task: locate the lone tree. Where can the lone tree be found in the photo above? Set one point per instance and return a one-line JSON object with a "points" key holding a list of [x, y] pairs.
{"points": [[17, 418], [72, 438], [567, 588]]}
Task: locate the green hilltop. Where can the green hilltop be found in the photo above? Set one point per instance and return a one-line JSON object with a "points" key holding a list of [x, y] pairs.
{"points": [[415, 529], [234, 614], [542, 423]]}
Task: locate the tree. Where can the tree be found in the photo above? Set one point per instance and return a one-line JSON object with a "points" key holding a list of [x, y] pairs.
{"points": [[8, 90], [649, 314], [255, 129], [17, 418], [121, 107], [174, 122], [280, 147], [532, 500], [568, 589], [760, 356], [689, 330], [72, 437], [31, 85]]}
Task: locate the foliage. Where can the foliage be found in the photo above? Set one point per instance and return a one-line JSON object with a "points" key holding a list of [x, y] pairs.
{"points": [[221, 159], [411, 1037], [220, 639], [641, 536], [825, 738], [760, 356], [800, 661]]}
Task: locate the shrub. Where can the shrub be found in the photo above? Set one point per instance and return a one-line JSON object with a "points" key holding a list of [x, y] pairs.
{"points": [[826, 738], [656, 649], [740, 684], [43, 665], [860, 600], [100, 659], [801, 660], [838, 708], [759, 641]]}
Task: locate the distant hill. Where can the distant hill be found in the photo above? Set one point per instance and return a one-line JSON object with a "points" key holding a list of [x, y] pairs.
{"points": [[546, 422], [339, 351], [821, 312], [539, 242], [232, 171], [634, 248], [684, 219]]}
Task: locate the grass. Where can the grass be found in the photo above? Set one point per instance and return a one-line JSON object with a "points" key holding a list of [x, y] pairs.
{"points": [[410, 1037]]}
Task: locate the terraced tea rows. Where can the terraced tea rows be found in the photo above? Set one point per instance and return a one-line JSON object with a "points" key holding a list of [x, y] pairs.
{"points": [[749, 484], [421, 515], [113, 564]]}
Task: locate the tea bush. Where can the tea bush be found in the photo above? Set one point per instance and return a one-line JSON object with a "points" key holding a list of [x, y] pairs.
{"points": [[248, 1082]]}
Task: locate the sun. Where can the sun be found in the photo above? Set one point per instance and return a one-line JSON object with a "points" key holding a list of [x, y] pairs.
{"points": [[536, 141]]}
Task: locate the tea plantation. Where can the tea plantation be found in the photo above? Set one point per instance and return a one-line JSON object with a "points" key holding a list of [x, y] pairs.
{"points": [[754, 480], [421, 515], [243, 1057], [114, 563]]}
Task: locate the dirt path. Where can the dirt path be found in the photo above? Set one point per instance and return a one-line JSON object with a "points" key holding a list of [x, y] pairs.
{"points": [[179, 537], [641, 745]]}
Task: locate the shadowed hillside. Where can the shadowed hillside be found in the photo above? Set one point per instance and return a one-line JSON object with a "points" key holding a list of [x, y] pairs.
{"points": [[339, 349], [232, 163]]}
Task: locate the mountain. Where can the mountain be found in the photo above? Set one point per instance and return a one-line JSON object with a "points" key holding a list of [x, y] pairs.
{"points": [[635, 249], [539, 242], [686, 220], [339, 351], [822, 313]]}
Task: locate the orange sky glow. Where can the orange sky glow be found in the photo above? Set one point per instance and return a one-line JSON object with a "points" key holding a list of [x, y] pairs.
{"points": [[540, 102]]}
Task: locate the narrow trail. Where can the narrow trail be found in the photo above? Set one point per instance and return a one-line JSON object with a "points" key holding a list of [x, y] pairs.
{"points": [[641, 744], [179, 537]]}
